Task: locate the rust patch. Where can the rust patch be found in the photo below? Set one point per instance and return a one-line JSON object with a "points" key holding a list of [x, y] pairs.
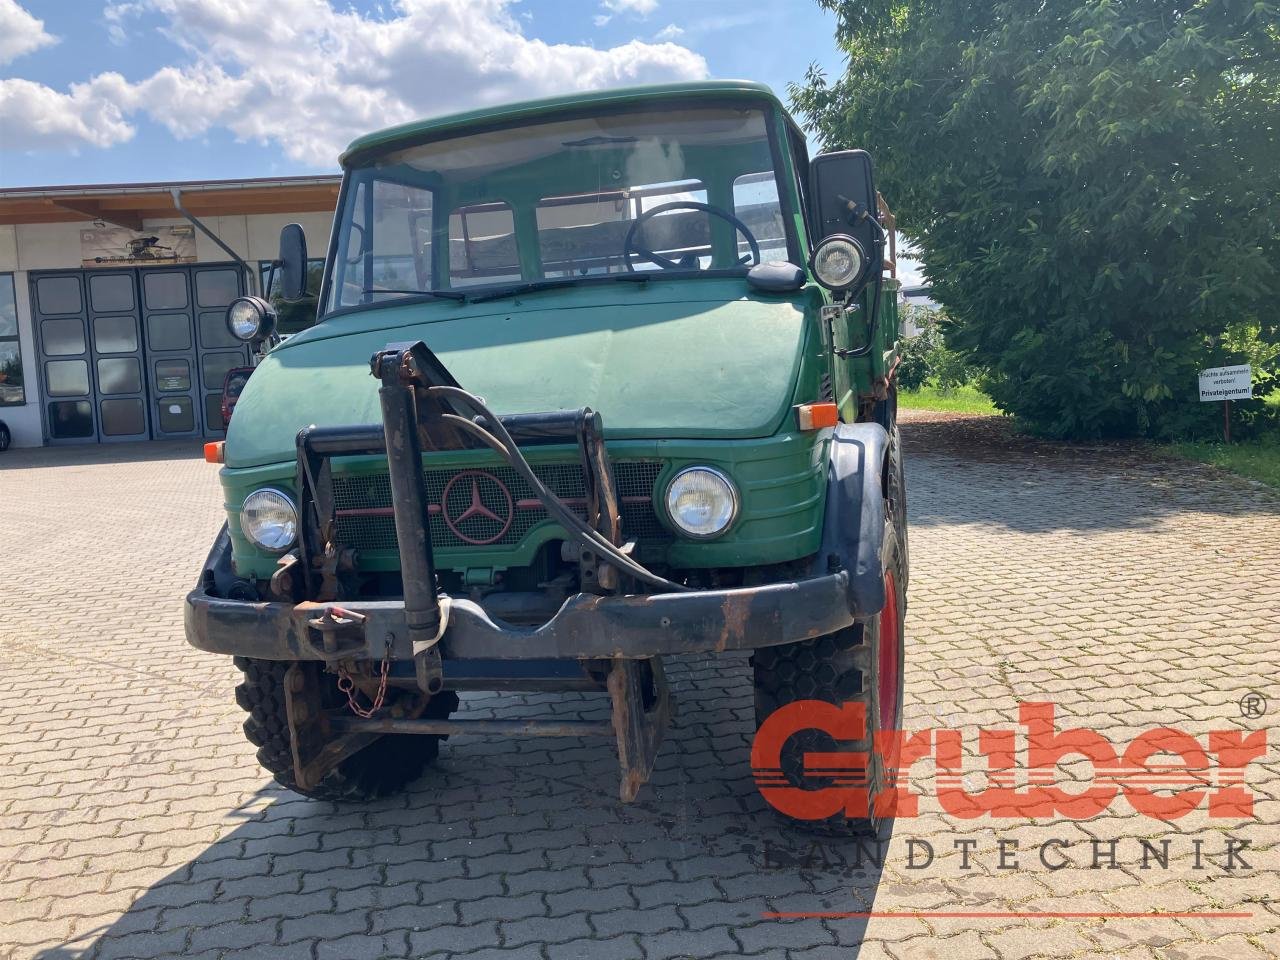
{"points": [[736, 613]]}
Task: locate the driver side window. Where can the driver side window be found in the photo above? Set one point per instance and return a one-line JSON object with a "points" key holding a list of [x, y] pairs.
{"points": [[384, 250]]}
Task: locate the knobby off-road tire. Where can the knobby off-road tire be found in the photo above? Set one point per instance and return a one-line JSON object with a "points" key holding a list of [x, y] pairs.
{"points": [[385, 766], [860, 664]]}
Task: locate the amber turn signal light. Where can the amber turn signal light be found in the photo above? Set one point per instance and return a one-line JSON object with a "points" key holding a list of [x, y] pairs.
{"points": [[213, 452], [816, 416]]}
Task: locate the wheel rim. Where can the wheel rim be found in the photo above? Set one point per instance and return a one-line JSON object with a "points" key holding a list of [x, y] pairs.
{"points": [[888, 664]]}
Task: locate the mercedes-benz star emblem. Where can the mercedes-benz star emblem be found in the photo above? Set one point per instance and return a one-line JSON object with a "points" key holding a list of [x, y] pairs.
{"points": [[477, 507]]}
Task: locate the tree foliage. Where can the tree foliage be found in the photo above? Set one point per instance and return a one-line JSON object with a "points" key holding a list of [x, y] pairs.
{"points": [[1094, 186], [925, 358]]}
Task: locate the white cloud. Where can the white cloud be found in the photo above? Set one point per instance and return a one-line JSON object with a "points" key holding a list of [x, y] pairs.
{"points": [[115, 15], [33, 115], [308, 76], [669, 32], [705, 26], [20, 32], [640, 7]]}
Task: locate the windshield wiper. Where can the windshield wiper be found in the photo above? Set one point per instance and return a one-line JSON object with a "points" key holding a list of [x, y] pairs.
{"points": [[439, 294], [533, 286]]}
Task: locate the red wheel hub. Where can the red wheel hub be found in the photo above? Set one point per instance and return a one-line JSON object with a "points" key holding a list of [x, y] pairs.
{"points": [[888, 664]]}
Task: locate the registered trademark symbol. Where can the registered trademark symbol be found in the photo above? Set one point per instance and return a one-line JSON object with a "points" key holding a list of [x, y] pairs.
{"points": [[1253, 705]]}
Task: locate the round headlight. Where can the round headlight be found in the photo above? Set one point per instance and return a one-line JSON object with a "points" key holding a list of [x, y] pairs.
{"points": [[838, 262], [702, 502], [270, 520], [250, 318]]}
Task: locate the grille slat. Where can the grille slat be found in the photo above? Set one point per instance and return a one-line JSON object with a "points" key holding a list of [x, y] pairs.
{"points": [[458, 490]]}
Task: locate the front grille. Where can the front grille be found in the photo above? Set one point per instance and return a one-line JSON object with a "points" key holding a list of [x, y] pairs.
{"points": [[490, 506]]}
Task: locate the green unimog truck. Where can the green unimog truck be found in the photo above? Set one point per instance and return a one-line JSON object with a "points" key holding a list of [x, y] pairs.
{"points": [[594, 381]]}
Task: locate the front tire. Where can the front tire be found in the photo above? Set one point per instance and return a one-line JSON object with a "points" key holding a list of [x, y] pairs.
{"points": [[385, 766], [862, 663]]}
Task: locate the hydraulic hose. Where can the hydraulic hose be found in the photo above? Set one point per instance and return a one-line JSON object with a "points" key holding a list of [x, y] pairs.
{"points": [[501, 441], [560, 511], [591, 538]]}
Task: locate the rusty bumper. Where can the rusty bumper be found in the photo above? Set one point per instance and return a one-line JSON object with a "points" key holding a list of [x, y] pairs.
{"points": [[585, 627]]}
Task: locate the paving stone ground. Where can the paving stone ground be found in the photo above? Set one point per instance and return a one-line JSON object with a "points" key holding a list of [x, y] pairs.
{"points": [[134, 822]]}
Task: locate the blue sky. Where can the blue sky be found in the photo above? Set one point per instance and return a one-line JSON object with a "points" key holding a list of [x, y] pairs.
{"points": [[137, 90]]}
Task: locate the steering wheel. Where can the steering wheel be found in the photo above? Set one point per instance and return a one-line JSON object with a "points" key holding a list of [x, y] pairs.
{"points": [[629, 246]]}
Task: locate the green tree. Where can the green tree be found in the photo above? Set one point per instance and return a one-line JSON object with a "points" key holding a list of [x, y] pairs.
{"points": [[926, 358], [1094, 186]]}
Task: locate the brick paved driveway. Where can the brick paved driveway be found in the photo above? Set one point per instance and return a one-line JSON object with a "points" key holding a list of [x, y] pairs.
{"points": [[134, 821]]}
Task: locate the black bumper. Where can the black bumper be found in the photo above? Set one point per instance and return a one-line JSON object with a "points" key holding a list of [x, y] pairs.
{"points": [[586, 627]]}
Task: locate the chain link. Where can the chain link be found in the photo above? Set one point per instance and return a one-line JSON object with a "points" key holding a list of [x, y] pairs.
{"points": [[347, 684]]}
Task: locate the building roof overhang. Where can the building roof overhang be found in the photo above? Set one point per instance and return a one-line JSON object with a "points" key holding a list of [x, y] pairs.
{"points": [[128, 204]]}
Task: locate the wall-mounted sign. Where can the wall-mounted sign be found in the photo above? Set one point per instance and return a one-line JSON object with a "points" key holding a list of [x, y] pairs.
{"points": [[115, 246], [1227, 383]]}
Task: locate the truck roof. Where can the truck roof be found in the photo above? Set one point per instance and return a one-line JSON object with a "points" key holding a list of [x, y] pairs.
{"points": [[417, 130]]}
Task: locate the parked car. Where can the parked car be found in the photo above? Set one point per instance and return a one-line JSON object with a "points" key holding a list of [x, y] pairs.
{"points": [[232, 386]]}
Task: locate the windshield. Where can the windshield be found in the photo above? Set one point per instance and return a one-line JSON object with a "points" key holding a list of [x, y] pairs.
{"points": [[674, 188]]}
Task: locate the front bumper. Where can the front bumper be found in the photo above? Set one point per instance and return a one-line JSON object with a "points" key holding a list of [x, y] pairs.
{"points": [[585, 627]]}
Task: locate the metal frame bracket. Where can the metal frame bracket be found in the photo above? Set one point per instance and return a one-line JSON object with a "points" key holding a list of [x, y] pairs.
{"points": [[641, 711]]}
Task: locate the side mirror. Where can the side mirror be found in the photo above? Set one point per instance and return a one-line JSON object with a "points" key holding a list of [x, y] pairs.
{"points": [[293, 262], [843, 195]]}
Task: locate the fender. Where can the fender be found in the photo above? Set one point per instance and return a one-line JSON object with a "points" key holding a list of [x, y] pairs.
{"points": [[853, 527], [218, 575]]}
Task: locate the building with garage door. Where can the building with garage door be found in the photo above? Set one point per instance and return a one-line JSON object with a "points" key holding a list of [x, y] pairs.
{"points": [[113, 298]]}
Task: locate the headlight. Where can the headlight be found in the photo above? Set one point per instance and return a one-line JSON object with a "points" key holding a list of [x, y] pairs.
{"points": [[270, 520], [838, 262], [251, 318], [702, 502]]}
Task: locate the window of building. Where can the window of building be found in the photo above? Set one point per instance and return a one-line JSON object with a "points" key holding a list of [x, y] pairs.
{"points": [[11, 389], [293, 316]]}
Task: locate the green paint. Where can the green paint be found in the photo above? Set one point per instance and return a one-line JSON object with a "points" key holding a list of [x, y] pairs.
{"points": [[781, 480], [684, 369], [692, 358]]}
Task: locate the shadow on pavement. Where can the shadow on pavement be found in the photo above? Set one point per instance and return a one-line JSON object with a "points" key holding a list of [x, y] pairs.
{"points": [[522, 845], [976, 470]]}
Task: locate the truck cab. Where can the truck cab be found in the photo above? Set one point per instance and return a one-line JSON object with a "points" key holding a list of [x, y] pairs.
{"points": [[594, 381]]}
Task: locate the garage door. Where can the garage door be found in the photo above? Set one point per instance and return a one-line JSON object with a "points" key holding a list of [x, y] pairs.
{"points": [[134, 354]]}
